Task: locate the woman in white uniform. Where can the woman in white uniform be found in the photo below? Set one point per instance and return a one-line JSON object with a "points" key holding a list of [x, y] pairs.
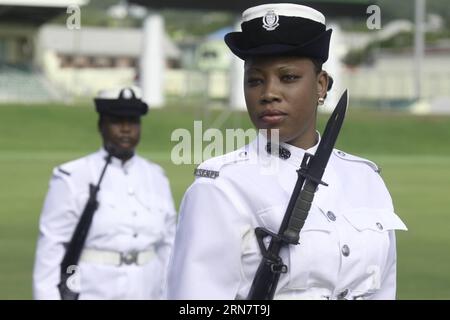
{"points": [[127, 248], [347, 246]]}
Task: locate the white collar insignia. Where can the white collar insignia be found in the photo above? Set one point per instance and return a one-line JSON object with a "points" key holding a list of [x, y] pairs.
{"points": [[270, 20]]}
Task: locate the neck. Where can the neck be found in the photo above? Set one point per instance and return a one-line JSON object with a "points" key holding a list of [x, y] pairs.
{"points": [[123, 155], [305, 141], [125, 158]]}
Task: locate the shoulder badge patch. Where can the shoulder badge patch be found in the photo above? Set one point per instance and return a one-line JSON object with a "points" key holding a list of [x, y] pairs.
{"points": [[206, 173], [211, 167], [350, 157]]}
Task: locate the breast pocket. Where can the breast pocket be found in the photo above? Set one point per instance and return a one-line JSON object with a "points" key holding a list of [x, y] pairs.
{"points": [[304, 260], [373, 226], [308, 259], [152, 219], [371, 243], [106, 217]]}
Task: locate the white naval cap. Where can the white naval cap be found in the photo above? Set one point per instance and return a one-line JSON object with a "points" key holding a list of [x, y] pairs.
{"points": [[281, 29]]}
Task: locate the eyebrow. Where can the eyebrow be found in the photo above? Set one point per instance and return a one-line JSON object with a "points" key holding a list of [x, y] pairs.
{"points": [[281, 68], [290, 67], [252, 68]]}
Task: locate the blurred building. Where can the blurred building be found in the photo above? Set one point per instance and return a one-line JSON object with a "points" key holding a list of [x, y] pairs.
{"points": [[390, 77], [20, 76], [234, 77], [81, 62], [386, 75]]}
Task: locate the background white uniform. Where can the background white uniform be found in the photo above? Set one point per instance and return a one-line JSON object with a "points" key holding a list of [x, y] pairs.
{"points": [[136, 213], [347, 245]]}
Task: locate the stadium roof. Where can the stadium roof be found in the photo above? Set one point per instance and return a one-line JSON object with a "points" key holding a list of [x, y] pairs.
{"points": [[34, 12], [331, 8]]}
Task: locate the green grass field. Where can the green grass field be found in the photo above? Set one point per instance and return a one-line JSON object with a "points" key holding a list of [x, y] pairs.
{"points": [[414, 153]]}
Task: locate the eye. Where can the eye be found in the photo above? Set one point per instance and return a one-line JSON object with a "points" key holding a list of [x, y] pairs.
{"points": [[254, 81], [115, 120], [290, 77]]}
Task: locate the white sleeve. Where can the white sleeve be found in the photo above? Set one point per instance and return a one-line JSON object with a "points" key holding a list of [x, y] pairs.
{"points": [[206, 261], [165, 246], [388, 281], [57, 223]]}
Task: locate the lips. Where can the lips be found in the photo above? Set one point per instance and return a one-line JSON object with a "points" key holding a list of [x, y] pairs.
{"points": [[272, 117], [125, 140]]}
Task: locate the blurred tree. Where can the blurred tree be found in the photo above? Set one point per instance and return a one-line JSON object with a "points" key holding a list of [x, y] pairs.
{"points": [[196, 23], [199, 23], [391, 10], [179, 23]]}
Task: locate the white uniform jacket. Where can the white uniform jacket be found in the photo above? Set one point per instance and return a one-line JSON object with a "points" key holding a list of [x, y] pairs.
{"points": [[347, 246], [135, 214]]}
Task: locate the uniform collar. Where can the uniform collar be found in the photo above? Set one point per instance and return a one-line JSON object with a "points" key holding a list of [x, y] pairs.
{"points": [[286, 152], [326, 196], [116, 162]]}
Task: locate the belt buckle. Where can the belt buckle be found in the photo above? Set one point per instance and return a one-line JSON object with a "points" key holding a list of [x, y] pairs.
{"points": [[129, 257]]}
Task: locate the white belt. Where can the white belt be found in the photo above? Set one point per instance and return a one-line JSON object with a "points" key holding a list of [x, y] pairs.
{"points": [[115, 258]]}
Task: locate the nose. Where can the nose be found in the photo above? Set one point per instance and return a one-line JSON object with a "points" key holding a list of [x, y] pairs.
{"points": [[270, 93], [125, 126]]}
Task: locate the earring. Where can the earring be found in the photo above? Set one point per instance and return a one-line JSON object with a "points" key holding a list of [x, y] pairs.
{"points": [[321, 101]]}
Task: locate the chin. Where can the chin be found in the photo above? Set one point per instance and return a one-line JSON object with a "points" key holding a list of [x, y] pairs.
{"points": [[122, 152], [125, 154], [281, 135]]}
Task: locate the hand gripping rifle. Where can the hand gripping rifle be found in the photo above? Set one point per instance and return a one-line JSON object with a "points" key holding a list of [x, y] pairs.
{"points": [[309, 177], [76, 244]]}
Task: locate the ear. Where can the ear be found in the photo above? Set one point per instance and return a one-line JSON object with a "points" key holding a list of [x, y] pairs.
{"points": [[322, 84]]}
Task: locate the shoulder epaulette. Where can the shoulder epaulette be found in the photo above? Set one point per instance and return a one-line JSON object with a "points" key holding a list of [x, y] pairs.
{"points": [[63, 171], [349, 157], [211, 167]]}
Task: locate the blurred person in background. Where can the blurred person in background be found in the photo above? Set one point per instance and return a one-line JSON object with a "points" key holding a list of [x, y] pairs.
{"points": [[128, 243], [347, 246]]}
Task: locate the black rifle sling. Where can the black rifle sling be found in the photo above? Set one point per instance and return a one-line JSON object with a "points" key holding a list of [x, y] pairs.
{"points": [[76, 244]]}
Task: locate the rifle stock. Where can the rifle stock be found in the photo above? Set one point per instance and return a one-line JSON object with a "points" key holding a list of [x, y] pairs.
{"points": [[265, 282]]}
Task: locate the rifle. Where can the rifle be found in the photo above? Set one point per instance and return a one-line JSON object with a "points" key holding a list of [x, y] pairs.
{"points": [[76, 244], [309, 177]]}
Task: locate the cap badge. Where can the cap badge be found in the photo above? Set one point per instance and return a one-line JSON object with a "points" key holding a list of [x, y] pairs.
{"points": [[270, 20]]}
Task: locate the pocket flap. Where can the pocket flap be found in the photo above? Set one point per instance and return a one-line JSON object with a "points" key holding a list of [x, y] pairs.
{"points": [[316, 221], [271, 219], [379, 220]]}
